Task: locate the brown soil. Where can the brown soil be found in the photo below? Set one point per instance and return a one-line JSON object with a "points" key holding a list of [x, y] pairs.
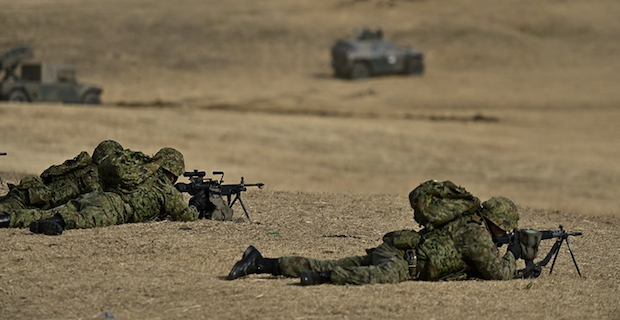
{"points": [[520, 99]]}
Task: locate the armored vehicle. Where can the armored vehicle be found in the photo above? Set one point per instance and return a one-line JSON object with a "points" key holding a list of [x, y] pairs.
{"points": [[369, 55], [24, 82]]}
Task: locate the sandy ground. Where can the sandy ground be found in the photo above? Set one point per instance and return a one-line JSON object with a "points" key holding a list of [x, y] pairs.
{"points": [[519, 98]]}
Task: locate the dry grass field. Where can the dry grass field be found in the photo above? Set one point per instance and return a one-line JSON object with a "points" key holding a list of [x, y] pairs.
{"points": [[519, 98]]}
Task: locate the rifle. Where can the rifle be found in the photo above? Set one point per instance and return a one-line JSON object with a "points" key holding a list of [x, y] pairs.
{"points": [[533, 270], [2, 154], [198, 183]]}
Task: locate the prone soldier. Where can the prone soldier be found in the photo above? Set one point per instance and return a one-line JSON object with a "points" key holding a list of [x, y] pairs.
{"points": [[455, 243]]}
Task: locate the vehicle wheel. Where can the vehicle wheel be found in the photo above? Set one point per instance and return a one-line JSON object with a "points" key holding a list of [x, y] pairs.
{"points": [[18, 96], [91, 98], [359, 71], [415, 67]]}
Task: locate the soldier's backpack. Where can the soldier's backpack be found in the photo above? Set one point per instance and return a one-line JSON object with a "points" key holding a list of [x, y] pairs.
{"points": [[56, 171], [127, 169], [437, 203]]}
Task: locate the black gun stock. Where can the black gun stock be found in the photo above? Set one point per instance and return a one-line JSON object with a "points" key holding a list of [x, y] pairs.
{"points": [[560, 235], [199, 183]]}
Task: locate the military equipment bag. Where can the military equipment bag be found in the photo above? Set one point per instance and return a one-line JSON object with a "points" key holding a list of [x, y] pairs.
{"points": [[57, 171], [437, 203], [218, 209], [127, 169]]}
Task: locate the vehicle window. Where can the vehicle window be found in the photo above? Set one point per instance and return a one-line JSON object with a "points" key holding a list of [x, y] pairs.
{"points": [[66, 76]]}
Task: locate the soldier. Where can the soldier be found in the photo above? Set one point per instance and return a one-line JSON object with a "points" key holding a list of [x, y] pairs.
{"points": [[60, 183], [459, 249], [154, 197]]}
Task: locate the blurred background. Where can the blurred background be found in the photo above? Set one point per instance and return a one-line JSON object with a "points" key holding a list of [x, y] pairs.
{"points": [[519, 98]]}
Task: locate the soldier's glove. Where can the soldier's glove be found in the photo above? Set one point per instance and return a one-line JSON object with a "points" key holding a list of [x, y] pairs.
{"points": [[515, 246], [200, 201]]}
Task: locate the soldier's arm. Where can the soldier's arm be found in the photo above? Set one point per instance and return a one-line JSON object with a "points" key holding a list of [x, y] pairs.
{"points": [[176, 206], [479, 250]]}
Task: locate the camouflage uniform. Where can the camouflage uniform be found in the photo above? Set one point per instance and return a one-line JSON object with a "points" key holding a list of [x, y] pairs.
{"points": [[463, 248], [154, 197], [60, 183], [456, 243]]}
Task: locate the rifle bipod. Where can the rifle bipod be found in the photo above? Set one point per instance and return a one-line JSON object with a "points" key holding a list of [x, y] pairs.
{"points": [[238, 197], [555, 250]]}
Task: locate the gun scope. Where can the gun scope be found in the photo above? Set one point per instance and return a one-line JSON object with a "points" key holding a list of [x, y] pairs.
{"points": [[194, 173], [183, 187]]}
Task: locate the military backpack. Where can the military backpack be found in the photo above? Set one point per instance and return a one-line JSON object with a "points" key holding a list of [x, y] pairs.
{"points": [[437, 203], [127, 169]]}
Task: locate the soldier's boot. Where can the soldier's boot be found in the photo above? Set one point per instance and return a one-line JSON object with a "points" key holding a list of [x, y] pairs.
{"points": [[52, 227], [252, 262], [5, 220], [310, 278]]}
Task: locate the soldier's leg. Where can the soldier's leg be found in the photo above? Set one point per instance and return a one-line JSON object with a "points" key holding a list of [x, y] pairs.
{"points": [[22, 218], [95, 209], [292, 266], [15, 199], [388, 266], [30, 193]]}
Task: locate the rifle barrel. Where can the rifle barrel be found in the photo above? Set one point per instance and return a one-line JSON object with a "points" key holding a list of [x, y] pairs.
{"points": [[546, 234]]}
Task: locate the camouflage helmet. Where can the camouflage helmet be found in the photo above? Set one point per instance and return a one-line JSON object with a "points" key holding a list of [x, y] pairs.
{"points": [[104, 149], [501, 211], [171, 161]]}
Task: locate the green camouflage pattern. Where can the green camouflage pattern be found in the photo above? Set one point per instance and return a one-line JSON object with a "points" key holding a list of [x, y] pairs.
{"points": [[403, 239], [171, 160], [60, 183], [53, 172], [384, 265], [461, 249], [436, 203], [502, 212], [18, 196], [91, 210], [72, 185], [127, 168], [104, 149], [154, 198], [33, 193]]}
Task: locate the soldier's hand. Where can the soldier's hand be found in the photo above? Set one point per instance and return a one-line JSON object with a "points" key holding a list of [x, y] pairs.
{"points": [[515, 246], [199, 201]]}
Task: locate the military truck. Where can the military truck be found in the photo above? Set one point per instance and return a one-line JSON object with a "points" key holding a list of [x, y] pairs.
{"points": [[369, 54], [26, 82]]}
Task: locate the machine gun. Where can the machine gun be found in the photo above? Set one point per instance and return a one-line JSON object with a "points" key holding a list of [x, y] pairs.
{"points": [[2, 154], [198, 183], [533, 270]]}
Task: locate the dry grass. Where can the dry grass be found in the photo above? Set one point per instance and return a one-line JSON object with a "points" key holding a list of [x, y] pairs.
{"points": [[520, 99], [170, 270]]}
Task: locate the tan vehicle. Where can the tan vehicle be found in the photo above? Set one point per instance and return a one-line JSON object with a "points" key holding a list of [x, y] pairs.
{"points": [[24, 82]]}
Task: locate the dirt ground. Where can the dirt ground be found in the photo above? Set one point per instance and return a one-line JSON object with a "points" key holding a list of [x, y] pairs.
{"points": [[519, 98]]}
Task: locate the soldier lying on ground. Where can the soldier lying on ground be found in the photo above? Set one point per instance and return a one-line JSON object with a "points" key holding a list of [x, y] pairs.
{"points": [[144, 192], [458, 249], [60, 183]]}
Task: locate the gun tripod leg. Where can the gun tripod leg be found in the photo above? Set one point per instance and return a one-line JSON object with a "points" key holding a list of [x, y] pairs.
{"points": [[557, 245], [238, 197], [244, 210], [573, 256]]}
